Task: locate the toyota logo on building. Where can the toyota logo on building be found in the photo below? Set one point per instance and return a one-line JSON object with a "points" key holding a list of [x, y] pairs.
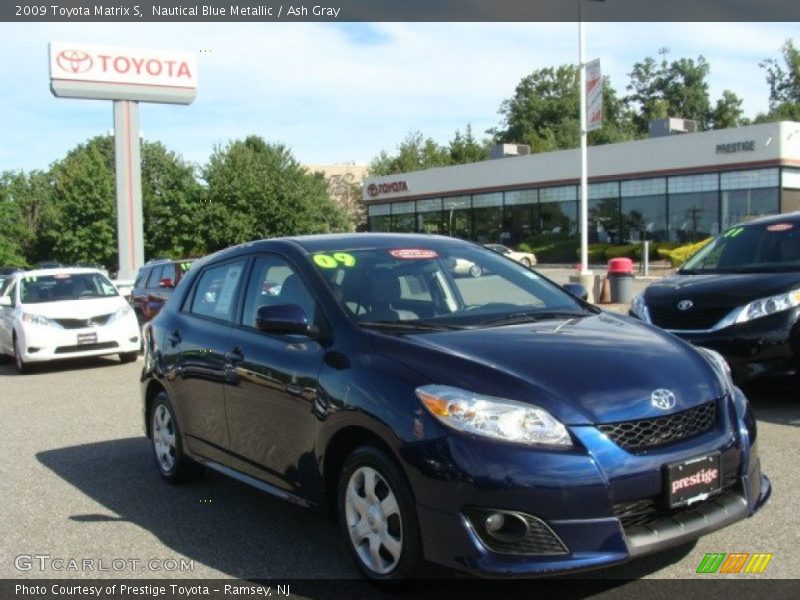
{"points": [[74, 61], [685, 304], [372, 189], [663, 399]]}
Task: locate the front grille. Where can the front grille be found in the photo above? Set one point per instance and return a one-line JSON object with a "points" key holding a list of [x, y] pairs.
{"points": [[83, 323], [659, 431], [692, 319], [641, 513], [85, 347]]}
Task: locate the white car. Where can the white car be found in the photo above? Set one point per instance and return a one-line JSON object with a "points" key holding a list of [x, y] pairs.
{"points": [[526, 259], [51, 314]]}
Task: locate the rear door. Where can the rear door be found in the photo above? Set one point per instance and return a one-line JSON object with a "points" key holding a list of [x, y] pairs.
{"points": [[197, 338]]}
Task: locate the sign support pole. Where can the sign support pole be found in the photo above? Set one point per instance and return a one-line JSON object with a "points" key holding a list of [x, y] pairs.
{"points": [[128, 167]]}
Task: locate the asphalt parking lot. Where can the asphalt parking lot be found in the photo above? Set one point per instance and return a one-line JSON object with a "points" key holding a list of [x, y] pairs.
{"points": [[79, 483]]}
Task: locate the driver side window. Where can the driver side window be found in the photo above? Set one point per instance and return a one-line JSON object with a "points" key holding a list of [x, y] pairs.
{"points": [[274, 282]]}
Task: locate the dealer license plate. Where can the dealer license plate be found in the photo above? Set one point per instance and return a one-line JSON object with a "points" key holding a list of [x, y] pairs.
{"points": [[87, 338], [693, 480]]}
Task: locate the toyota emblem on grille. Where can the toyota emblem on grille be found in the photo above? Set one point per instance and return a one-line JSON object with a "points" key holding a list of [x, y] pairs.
{"points": [[663, 399], [685, 304]]}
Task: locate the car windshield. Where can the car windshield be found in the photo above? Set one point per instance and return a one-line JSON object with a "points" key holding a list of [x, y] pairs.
{"points": [[35, 289], [767, 248], [440, 287]]}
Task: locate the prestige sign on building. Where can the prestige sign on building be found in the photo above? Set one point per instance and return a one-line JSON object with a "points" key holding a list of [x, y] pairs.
{"points": [[126, 76]]}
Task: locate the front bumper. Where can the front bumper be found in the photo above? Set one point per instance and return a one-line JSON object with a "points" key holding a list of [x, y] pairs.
{"points": [[41, 343], [580, 495], [769, 346]]}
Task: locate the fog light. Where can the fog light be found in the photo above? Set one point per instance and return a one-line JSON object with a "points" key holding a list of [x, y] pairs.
{"points": [[134, 340], [494, 522]]}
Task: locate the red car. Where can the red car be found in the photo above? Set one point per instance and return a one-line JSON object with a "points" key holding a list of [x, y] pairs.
{"points": [[154, 284]]}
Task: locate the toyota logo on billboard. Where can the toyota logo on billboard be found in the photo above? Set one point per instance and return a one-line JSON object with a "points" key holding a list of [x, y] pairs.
{"points": [[74, 61]]}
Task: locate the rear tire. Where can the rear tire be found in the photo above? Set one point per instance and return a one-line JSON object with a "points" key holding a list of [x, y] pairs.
{"points": [[525, 262], [378, 517], [165, 436]]}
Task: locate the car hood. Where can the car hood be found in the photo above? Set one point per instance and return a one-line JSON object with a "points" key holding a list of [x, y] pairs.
{"points": [[76, 309], [595, 369], [719, 290]]}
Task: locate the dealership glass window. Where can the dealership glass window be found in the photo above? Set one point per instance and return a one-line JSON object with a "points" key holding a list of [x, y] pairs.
{"points": [[693, 217], [644, 209], [748, 194], [380, 217], [429, 215], [488, 217], [791, 179], [457, 216], [403, 218], [685, 184], [558, 210], [604, 212], [518, 215], [644, 218]]}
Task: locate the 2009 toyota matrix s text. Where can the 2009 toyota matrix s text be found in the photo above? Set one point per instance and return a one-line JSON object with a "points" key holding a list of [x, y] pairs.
{"points": [[494, 424]]}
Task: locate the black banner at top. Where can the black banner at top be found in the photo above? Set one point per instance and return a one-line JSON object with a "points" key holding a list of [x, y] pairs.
{"points": [[399, 10]]}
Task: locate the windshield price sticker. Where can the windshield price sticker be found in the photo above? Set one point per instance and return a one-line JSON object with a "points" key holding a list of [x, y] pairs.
{"points": [[413, 254], [332, 261], [731, 233], [780, 227]]}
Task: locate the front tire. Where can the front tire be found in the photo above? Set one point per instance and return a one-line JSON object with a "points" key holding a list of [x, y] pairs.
{"points": [[19, 362], [128, 357], [378, 517], [526, 262], [167, 441]]}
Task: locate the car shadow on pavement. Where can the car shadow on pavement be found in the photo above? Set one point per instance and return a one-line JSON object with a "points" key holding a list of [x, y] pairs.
{"points": [[775, 401], [7, 368], [228, 526]]}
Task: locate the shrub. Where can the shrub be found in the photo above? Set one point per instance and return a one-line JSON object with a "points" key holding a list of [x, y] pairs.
{"points": [[678, 256]]}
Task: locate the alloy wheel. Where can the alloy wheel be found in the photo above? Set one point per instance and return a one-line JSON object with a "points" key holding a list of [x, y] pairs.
{"points": [[164, 438]]}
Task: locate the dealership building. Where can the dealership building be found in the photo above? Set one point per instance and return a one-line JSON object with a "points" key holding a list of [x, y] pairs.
{"points": [[673, 187]]}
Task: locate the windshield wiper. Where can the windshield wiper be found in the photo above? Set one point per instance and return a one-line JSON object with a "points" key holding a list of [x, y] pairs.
{"points": [[531, 316], [408, 325]]}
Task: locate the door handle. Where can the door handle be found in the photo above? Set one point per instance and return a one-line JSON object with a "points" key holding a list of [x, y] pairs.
{"points": [[234, 356], [175, 337]]}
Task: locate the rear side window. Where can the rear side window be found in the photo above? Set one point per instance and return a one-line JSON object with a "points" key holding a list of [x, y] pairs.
{"points": [[141, 278], [216, 291], [155, 276]]}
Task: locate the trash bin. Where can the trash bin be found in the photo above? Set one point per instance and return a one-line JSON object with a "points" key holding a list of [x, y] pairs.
{"points": [[620, 276]]}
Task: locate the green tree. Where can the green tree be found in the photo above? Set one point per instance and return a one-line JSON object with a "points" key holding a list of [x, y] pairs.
{"points": [[414, 153], [258, 190], [172, 203], [466, 149], [678, 89], [784, 85], [544, 112], [32, 195], [83, 227], [12, 222]]}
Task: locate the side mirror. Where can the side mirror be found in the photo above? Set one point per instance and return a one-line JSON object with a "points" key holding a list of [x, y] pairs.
{"points": [[284, 318], [576, 289], [5, 301], [166, 283]]}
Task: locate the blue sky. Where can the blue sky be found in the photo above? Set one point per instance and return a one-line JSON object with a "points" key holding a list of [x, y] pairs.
{"points": [[340, 92]]}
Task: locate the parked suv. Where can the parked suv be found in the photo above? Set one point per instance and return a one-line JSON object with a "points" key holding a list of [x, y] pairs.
{"points": [[154, 284]]}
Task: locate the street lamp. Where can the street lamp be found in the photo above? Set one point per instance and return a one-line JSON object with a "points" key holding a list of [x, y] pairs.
{"points": [[584, 202]]}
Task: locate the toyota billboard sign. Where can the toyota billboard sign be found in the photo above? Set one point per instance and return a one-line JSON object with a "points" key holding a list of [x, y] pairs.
{"points": [[113, 73]]}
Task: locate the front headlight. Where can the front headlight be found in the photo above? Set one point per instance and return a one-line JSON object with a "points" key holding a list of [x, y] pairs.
{"points": [[39, 320], [768, 306], [720, 366], [120, 314], [492, 417], [639, 308]]}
